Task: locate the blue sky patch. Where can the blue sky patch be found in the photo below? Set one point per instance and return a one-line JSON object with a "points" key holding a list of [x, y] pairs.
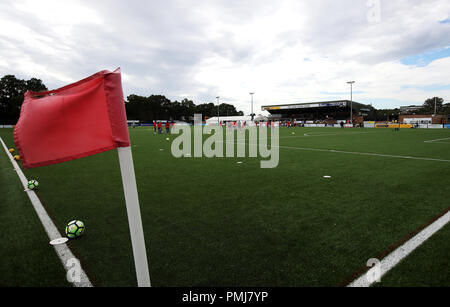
{"points": [[426, 58], [445, 21], [429, 88]]}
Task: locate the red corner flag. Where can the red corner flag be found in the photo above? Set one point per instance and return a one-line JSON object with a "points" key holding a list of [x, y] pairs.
{"points": [[79, 120], [75, 121]]}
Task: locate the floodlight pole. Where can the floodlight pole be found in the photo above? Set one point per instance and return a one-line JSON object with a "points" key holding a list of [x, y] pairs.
{"points": [[435, 106], [351, 100], [253, 115], [218, 111]]}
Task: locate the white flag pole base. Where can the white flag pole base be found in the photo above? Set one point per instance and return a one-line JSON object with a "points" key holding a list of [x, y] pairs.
{"points": [[134, 216]]}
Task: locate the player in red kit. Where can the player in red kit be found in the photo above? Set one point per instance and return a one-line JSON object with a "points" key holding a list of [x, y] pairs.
{"points": [[167, 127], [159, 127]]}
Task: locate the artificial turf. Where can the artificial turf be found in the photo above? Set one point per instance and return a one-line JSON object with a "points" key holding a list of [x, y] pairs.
{"points": [[27, 257], [213, 222]]}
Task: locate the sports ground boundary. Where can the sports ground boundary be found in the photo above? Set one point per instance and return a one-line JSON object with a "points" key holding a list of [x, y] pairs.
{"points": [[63, 251]]}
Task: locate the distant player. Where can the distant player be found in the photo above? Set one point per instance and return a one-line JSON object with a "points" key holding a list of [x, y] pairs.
{"points": [[154, 127], [167, 127], [159, 127]]}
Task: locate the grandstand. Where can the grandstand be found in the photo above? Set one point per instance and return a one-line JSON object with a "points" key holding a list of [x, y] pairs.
{"points": [[330, 112]]}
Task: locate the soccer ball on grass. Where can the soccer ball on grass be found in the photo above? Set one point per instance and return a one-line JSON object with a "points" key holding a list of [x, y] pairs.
{"points": [[33, 184], [75, 229]]}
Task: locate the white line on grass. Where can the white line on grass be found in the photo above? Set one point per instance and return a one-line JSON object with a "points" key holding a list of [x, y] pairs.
{"points": [[308, 135], [63, 251], [394, 258], [364, 154], [437, 141], [327, 133], [350, 152]]}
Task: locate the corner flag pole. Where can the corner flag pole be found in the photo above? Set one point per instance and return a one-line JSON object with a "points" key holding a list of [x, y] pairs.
{"points": [[134, 216]]}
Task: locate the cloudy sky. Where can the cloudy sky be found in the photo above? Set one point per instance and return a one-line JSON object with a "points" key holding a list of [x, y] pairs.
{"points": [[398, 51]]}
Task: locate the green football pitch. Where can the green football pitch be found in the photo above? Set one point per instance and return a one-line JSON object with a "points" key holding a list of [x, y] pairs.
{"points": [[217, 222]]}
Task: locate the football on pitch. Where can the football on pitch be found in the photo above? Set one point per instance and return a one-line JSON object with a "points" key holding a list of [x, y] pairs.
{"points": [[17, 158], [75, 229], [33, 184], [11, 150]]}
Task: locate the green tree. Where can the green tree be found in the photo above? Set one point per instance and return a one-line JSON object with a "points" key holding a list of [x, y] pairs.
{"points": [[228, 110], [188, 108], [207, 110], [137, 108], [428, 106], [446, 109], [160, 107], [12, 92]]}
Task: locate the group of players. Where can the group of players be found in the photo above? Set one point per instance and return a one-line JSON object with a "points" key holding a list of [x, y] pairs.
{"points": [[159, 126]]}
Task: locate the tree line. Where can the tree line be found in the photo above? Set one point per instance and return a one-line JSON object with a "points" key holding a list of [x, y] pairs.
{"points": [[144, 109], [158, 107]]}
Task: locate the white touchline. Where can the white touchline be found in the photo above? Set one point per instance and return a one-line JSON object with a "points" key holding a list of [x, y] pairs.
{"points": [[394, 258], [63, 251]]}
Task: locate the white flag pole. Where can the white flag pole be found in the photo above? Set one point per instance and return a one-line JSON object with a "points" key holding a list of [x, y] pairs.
{"points": [[134, 216]]}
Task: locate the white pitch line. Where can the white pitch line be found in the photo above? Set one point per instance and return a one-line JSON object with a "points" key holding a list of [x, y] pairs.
{"points": [[365, 154], [308, 135], [327, 133], [350, 152], [63, 251], [437, 141], [394, 258]]}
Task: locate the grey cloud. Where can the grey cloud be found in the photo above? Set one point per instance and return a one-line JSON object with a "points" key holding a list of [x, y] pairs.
{"points": [[168, 40]]}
